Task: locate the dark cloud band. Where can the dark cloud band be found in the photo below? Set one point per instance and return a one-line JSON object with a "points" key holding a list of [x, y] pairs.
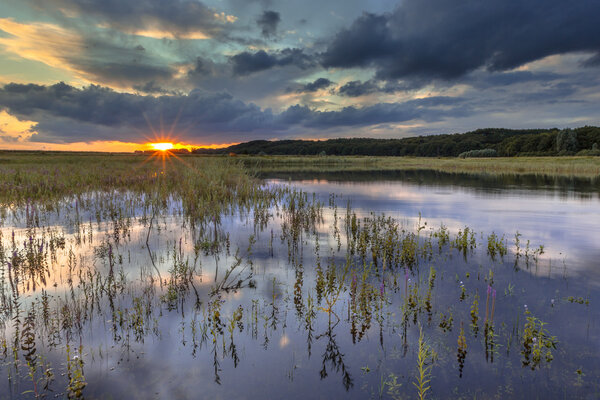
{"points": [[61, 110]]}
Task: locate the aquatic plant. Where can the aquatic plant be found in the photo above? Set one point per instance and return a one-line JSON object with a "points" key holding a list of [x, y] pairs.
{"points": [[425, 361], [537, 344], [220, 273], [461, 352]]}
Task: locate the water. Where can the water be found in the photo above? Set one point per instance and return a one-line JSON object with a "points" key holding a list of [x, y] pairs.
{"points": [[158, 316]]}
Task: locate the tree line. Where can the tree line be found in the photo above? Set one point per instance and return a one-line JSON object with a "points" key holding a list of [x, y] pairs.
{"points": [[479, 143]]}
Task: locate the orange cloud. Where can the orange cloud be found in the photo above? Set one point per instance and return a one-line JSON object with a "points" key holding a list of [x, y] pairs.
{"points": [[158, 33], [113, 146], [42, 42], [104, 146], [14, 129], [225, 18]]}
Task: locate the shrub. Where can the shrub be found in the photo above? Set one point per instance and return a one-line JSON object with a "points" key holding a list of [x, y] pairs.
{"points": [[479, 153]]}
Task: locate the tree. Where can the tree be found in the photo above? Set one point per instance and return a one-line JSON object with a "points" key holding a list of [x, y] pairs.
{"points": [[566, 142]]}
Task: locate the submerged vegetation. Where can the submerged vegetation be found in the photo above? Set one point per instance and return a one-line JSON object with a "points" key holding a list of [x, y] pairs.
{"points": [[217, 278]]}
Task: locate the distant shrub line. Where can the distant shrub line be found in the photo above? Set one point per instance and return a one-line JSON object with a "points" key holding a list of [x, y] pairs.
{"points": [[480, 143]]}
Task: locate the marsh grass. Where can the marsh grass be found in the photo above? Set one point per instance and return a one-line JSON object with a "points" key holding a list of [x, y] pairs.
{"points": [[588, 167], [137, 250]]}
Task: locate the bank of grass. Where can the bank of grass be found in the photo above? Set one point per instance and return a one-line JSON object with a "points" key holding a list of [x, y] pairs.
{"points": [[588, 167], [29, 176], [48, 177]]}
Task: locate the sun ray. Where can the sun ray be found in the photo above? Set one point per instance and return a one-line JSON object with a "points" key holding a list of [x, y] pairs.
{"points": [[162, 146]]}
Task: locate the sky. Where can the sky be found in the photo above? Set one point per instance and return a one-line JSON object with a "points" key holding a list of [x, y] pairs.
{"points": [[111, 75]]}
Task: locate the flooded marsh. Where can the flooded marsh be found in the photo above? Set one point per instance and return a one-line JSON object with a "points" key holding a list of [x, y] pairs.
{"points": [[193, 278]]}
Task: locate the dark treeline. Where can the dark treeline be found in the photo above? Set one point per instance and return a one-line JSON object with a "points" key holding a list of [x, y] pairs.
{"points": [[479, 143]]}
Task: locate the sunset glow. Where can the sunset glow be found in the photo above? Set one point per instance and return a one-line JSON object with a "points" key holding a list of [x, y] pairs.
{"points": [[162, 146]]}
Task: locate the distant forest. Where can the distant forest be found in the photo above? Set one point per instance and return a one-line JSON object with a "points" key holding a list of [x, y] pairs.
{"points": [[480, 143]]}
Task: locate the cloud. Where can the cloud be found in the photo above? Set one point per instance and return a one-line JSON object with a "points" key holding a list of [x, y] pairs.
{"points": [[318, 84], [268, 22], [593, 61], [358, 88], [94, 59], [428, 109], [437, 39], [43, 42], [501, 79], [246, 63], [13, 129], [67, 114], [151, 87], [185, 19]]}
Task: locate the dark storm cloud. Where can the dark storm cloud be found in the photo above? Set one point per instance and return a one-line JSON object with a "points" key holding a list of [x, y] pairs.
{"points": [[593, 61], [68, 114], [246, 63], [151, 87], [358, 88], [512, 78], [57, 106], [318, 84], [126, 74], [177, 17], [104, 60], [441, 39], [205, 68], [429, 109], [268, 22]]}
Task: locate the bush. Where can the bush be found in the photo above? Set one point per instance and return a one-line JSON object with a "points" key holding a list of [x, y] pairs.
{"points": [[588, 152], [479, 153]]}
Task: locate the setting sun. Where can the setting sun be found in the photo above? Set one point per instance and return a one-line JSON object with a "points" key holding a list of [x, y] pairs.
{"points": [[162, 146]]}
